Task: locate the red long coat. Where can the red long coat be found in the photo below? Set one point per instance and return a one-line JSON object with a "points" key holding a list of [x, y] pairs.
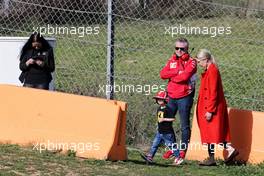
{"points": [[211, 99]]}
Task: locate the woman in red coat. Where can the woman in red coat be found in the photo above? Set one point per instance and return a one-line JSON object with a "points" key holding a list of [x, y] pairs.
{"points": [[212, 115]]}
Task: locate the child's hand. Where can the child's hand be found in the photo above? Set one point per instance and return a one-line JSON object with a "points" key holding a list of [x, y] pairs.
{"points": [[161, 120]]}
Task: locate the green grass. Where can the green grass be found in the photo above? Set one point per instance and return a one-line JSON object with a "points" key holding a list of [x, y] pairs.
{"points": [[15, 160]]}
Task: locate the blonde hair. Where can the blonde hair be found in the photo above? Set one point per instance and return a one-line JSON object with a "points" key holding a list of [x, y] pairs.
{"points": [[205, 54]]}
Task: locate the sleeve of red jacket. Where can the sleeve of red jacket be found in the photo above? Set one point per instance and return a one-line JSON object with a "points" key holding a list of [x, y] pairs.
{"points": [[213, 78], [166, 72], [187, 73]]}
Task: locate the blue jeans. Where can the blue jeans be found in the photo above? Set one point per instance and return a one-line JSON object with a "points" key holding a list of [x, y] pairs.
{"points": [[184, 106], [167, 139]]}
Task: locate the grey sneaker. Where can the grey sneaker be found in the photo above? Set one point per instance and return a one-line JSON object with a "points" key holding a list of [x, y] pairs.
{"points": [[208, 162]]}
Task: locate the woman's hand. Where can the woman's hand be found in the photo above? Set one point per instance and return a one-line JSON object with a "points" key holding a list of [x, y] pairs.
{"points": [[30, 61], [40, 63], [208, 116]]}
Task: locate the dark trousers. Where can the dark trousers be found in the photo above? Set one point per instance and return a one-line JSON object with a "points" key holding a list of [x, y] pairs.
{"points": [[44, 86], [184, 106]]}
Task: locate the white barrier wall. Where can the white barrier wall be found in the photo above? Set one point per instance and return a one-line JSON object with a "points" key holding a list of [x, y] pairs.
{"points": [[10, 48]]}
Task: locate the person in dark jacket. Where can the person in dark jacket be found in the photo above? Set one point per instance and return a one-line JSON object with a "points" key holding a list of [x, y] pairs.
{"points": [[36, 62]]}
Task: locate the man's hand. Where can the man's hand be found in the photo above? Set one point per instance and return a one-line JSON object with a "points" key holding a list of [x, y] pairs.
{"points": [[208, 116], [180, 72], [30, 62]]}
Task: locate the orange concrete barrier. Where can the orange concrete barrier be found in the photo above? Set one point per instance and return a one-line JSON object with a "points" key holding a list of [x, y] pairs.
{"points": [[246, 128], [93, 127]]}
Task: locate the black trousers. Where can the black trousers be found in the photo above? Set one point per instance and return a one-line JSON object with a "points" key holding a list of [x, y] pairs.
{"points": [[44, 86]]}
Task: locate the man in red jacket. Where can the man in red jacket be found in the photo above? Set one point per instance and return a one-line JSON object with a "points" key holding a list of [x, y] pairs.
{"points": [[180, 71]]}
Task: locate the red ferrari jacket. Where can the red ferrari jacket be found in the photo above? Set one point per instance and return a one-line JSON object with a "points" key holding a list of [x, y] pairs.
{"points": [[181, 74]]}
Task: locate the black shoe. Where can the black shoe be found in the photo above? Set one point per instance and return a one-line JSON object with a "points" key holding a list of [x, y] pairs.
{"points": [[232, 156], [148, 159]]}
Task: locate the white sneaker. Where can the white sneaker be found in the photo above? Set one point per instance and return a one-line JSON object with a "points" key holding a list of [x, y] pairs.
{"points": [[178, 161]]}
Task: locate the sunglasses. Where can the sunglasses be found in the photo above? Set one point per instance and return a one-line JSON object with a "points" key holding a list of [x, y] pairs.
{"points": [[179, 48]]}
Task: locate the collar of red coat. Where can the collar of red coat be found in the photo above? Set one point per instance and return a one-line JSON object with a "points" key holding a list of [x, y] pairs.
{"points": [[174, 57], [205, 71]]}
